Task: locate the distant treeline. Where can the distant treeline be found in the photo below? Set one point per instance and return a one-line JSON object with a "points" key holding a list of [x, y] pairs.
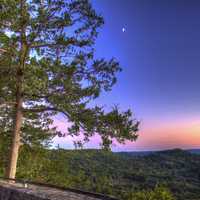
{"points": [[118, 174]]}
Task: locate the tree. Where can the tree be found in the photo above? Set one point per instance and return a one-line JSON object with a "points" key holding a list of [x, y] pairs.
{"points": [[47, 67]]}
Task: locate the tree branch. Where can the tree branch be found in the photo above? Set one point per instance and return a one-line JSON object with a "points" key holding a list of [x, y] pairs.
{"points": [[3, 50], [5, 25], [70, 41], [44, 45], [2, 104], [43, 109]]}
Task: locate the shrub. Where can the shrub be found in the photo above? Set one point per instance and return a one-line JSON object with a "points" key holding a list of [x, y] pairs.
{"points": [[159, 193]]}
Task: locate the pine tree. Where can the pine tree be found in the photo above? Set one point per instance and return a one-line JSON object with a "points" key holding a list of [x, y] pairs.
{"points": [[47, 67]]}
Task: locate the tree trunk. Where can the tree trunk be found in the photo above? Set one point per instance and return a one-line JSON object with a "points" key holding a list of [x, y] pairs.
{"points": [[14, 151], [17, 122]]}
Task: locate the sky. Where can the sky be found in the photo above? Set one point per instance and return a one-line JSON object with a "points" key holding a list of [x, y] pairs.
{"points": [[158, 46]]}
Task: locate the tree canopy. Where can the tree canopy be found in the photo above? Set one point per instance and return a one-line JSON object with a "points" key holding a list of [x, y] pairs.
{"points": [[48, 67]]}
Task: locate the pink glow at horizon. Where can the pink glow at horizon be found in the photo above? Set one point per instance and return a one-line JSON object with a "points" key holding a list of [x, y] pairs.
{"points": [[180, 134], [154, 135]]}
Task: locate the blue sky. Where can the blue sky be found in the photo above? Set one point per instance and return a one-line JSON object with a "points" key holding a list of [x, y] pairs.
{"points": [[160, 56]]}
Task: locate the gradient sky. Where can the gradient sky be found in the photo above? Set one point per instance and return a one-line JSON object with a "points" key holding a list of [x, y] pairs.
{"points": [[160, 82]]}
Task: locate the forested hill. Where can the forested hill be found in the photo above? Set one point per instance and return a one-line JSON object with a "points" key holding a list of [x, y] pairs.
{"points": [[144, 153], [196, 151], [119, 174]]}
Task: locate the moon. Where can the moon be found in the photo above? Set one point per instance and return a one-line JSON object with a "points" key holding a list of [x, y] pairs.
{"points": [[123, 30]]}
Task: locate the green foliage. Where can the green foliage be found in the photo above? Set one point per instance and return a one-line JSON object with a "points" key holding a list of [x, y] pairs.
{"points": [[159, 193], [119, 174], [48, 46]]}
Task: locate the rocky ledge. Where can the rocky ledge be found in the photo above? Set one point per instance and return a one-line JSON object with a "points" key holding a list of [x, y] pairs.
{"points": [[29, 191]]}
